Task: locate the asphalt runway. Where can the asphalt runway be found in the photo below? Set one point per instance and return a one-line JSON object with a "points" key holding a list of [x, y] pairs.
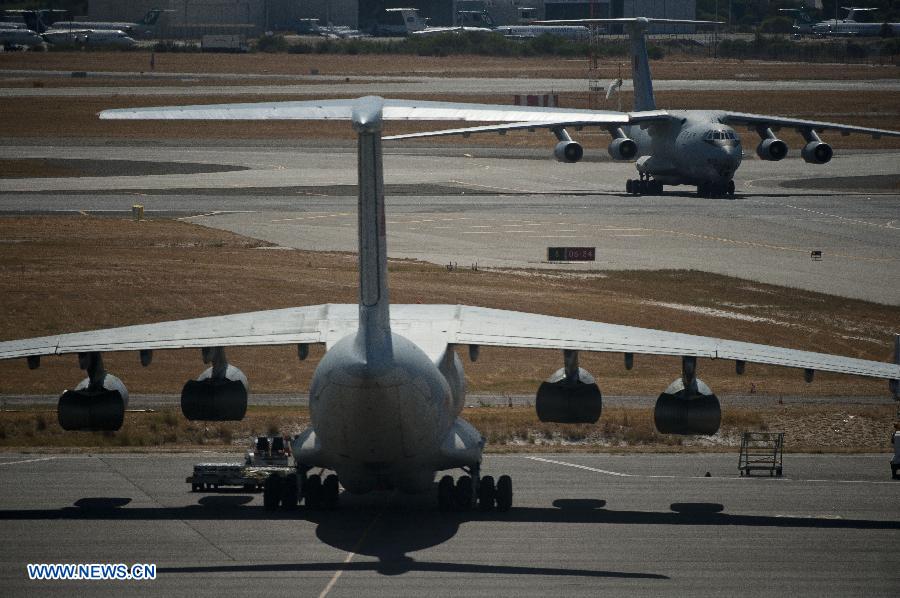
{"points": [[325, 85], [581, 525], [503, 208]]}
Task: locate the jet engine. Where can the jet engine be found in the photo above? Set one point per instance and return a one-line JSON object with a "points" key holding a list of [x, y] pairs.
{"points": [[568, 151], [570, 396], [772, 149], [98, 402], [817, 152], [218, 394], [622, 148], [687, 406]]}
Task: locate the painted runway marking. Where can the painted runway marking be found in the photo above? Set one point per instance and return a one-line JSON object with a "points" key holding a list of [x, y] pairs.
{"points": [[27, 461], [350, 555], [697, 477], [841, 218]]}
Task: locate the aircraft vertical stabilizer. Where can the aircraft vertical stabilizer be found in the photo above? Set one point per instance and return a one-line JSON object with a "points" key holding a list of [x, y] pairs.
{"points": [[374, 316], [640, 67]]}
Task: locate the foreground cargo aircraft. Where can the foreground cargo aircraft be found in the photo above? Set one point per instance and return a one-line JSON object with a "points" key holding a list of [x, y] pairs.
{"points": [[386, 397], [673, 147]]}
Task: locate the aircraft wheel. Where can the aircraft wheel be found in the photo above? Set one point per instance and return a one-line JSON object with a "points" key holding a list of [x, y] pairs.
{"points": [[504, 493], [312, 491], [487, 493], [730, 188], [289, 492], [629, 186], [445, 493], [464, 494], [331, 492], [272, 492]]}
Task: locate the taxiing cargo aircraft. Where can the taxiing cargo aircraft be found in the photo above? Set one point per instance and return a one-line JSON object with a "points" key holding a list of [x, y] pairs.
{"points": [[672, 147], [386, 398]]}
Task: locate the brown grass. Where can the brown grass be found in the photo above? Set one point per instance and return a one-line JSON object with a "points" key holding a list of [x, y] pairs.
{"points": [[674, 67], [65, 274], [833, 428]]}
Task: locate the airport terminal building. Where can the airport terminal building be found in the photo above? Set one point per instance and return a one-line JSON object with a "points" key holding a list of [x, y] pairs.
{"points": [[253, 17]]}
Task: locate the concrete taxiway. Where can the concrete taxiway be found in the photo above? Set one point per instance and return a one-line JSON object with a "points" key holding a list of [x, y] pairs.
{"points": [[503, 208], [582, 525]]}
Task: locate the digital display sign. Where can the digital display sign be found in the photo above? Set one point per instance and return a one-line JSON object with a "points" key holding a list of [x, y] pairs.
{"points": [[571, 254]]}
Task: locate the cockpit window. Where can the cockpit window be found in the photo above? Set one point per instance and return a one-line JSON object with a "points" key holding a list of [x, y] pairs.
{"points": [[714, 135]]}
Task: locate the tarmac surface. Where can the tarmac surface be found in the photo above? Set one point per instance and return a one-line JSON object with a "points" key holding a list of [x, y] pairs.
{"points": [[467, 205], [323, 85], [581, 525]]}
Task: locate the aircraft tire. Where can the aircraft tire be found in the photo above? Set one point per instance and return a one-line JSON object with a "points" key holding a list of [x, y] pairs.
{"points": [[272, 492], [464, 493], [289, 492], [331, 492], [730, 188], [487, 493], [312, 491], [504, 493], [445, 493], [629, 186]]}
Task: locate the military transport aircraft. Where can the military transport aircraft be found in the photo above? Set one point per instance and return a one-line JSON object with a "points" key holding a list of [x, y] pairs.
{"points": [[386, 397], [673, 147]]}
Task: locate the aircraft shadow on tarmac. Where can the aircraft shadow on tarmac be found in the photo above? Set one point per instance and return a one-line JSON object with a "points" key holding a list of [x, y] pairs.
{"points": [[390, 526]]}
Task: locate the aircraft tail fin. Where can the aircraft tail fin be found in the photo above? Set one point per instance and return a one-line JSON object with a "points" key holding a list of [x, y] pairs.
{"points": [[374, 336], [151, 17], [640, 68], [640, 63]]}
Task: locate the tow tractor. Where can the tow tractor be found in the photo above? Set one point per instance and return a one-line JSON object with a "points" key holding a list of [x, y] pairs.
{"points": [[270, 455]]}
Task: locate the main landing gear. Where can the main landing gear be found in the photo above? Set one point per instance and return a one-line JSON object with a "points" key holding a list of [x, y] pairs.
{"points": [[643, 186], [474, 490], [290, 490], [715, 189]]}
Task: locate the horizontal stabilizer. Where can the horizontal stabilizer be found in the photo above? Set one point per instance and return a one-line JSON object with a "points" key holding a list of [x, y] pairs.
{"points": [[411, 110]]}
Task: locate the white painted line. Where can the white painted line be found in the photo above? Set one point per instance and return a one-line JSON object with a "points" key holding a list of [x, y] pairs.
{"points": [[576, 466], [350, 555], [697, 477], [27, 461]]}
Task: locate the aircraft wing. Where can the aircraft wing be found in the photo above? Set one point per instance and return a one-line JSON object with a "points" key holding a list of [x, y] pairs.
{"points": [[765, 120], [615, 119], [494, 327], [313, 324], [433, 327]]}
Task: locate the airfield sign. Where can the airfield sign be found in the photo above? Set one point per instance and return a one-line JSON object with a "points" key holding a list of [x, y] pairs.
{"points": [[571, 254]]}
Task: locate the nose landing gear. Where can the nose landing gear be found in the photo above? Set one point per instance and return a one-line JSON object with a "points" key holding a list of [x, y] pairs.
{"points": [[707, 189], [643, 186]]}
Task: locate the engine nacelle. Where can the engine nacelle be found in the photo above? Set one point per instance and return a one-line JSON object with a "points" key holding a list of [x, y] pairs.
{"points": [[216, 399], [98, 409], [622, 148], [772, 149], [568, 151], [694, 410], [566, 402], [817, 152]]}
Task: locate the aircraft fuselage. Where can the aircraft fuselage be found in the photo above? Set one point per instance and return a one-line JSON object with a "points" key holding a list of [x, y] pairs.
{"points": [[692, 148], [382, 425]]}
